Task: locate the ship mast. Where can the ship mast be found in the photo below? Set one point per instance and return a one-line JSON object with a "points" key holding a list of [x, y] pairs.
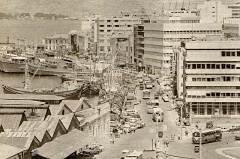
{"points": [[27, 84]]}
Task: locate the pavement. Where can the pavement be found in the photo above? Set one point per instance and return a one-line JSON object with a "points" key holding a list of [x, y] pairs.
{"points": [[138, 141]]}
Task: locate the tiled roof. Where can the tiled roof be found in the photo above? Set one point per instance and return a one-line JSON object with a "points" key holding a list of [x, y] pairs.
{"points": [[55, 109], [11, 121], [29, 97], [57, 36], [71, 104], [19, 102], [65, 145], [65, 119], [8, 151], [14, 141]]}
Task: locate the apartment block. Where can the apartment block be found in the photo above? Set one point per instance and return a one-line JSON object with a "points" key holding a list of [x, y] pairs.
{"points": [[210, 72]]}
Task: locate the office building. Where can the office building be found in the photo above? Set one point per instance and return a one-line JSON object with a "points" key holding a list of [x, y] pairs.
{"points": [[161, 38], [210, 75]]}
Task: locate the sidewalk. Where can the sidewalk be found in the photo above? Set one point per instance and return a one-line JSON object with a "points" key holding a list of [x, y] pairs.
{"points": [[229, 152]]}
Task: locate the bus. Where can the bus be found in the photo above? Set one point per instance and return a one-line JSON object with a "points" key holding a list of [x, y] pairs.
{"points": [[146, 94], [208, 135]]}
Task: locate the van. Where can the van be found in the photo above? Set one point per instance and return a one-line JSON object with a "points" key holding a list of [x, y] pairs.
{"points": [[155, 102], [135, 155], [158, 115]]}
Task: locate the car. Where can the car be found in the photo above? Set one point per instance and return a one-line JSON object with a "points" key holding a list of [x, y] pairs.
{"points": [[237, 137], [92, 151], [150, 109], [97, 146], [136, 102], [224, 129]]}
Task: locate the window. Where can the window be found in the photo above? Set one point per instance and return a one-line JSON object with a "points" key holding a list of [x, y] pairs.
{"points": [[101, 25], [223, 66], [101, 30], [208, 66], [203, 66], [193, 66], [115, 20], [233, 53], [213, 66], [217, 66], [228, 53], [238, 53], [193, 79], [198, 66]]}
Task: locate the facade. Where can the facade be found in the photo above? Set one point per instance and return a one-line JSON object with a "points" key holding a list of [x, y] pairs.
{"points": [[96, 121], [122, 24], [211, 78], [139, 47], [235, 10], [213, 11], [161, 38], [63, 43]]}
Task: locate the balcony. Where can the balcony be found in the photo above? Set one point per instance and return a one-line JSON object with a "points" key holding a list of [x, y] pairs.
{"points": [[213, 71], [213, 83]]}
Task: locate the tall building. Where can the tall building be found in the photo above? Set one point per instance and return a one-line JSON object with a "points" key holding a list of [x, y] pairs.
{"points": [[161, 38], [122, 24], [210, 75], [213, 11]]}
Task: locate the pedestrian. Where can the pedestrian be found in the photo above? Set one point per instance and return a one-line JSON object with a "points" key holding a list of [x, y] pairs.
{"points": [[166, 141], [113, 140], [179, 136], [186, 133]]}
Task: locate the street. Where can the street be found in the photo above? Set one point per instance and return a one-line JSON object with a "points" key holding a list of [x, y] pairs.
{"points": [[145, 138]]}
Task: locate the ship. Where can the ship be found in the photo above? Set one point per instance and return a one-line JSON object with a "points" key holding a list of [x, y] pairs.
{"points": [[68, 92], [49, 67], [69, 89], [11, 63]]}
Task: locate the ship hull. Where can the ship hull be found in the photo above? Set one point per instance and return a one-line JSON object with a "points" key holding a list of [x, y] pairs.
{"points": [[9, 67], [67, 93]]}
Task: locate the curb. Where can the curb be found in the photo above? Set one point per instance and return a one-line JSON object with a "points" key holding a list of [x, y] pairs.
{"points": [[220, 152]]}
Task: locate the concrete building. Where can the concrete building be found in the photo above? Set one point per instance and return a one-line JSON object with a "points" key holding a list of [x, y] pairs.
{"points": [[161, 38], [210, 76], [122, 24], [63, 43], [213, 11]]}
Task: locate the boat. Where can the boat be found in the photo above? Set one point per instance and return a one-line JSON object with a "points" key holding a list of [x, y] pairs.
{"points": [[11, 63], [66, 91], [49, 67], [69, 89], [90, 88], [79, 77]]}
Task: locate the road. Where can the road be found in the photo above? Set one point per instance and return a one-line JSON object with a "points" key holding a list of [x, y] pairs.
{"points": [[145, 138]]}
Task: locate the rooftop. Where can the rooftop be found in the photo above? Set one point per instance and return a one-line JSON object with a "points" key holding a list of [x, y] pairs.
{"points": [[65, 145], [8, 151]]}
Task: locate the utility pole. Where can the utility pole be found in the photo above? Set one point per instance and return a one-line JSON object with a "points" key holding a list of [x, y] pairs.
{"points": [[200, 144]]}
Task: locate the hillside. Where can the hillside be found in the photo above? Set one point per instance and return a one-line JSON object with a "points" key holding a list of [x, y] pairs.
{"points": [[103, 7]]}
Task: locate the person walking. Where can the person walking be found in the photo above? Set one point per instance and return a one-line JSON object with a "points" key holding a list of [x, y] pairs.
{"points": [[166, 141], [179, 136], [186, 133]]}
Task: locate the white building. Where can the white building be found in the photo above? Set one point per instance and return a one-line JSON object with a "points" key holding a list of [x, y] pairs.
{"points": [[211, 78], [160, 39], [213, 11]]}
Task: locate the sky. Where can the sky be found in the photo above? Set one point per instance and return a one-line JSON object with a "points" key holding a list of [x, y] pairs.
{"points": [[102, 7]]}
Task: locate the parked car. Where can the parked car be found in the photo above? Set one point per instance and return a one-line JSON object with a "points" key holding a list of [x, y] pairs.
{"points": [[92, 151], [150, 109], [237, 137]]}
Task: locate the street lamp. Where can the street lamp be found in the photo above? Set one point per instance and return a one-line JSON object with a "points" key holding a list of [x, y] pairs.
{"points": [[181, 118]]}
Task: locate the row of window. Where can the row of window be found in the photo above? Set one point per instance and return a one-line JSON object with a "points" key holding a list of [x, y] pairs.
{"points": [[226, 108], [56, 41], [116, 25], [121, 20], [193, 32], [230, 53], [212, 66], [216, 95], [222, 78]]}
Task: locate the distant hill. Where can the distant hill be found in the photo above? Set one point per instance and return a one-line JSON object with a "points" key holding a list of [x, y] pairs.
{"points": [[102, 7]]}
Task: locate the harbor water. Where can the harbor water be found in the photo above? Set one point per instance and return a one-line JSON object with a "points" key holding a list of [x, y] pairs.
{"points": [[17, 80]]}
